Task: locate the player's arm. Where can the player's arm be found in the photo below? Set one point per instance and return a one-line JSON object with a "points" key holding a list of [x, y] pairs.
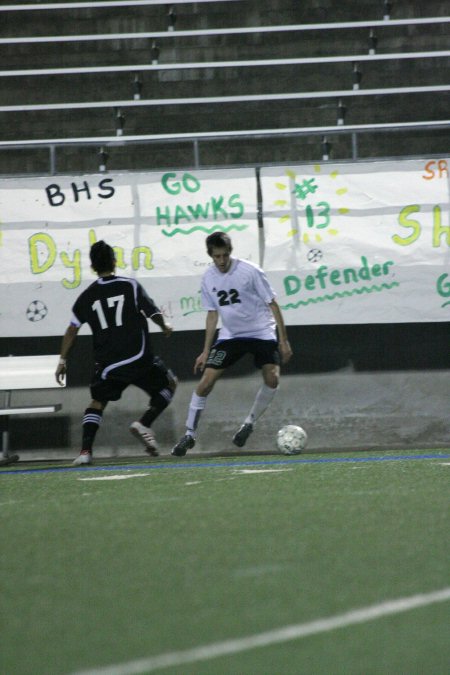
{"points": [[66, 345], [166, 328], [283, 342], [210, 331], [148, 307]]}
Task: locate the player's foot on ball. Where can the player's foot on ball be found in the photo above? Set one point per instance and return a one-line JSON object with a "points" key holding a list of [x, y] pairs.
{"points": [[146, 436], [241, 436], [183, 445], [85, 457]]}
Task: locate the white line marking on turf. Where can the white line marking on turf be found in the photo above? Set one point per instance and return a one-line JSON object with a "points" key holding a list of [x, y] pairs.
{"points": [[248, 471], [228, 647], [117, 476]]}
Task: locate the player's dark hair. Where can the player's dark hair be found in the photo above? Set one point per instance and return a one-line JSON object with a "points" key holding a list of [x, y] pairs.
{"points": [[102, 257], [218, 240]]}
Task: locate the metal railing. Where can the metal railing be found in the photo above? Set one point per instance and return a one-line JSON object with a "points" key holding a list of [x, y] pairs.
{"points": [[196, 139]]}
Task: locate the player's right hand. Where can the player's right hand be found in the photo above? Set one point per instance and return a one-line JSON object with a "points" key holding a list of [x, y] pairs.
{"points": [[200, 362]]}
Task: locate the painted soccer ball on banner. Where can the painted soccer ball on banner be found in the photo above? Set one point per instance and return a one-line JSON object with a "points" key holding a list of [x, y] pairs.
{"points": [[291, 439]]}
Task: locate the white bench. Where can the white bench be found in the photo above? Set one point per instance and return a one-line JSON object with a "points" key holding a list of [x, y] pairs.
{"points": [[20, 373]]}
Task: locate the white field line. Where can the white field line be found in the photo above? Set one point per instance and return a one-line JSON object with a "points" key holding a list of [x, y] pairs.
{"points": [[294, 632], [117, 476]]}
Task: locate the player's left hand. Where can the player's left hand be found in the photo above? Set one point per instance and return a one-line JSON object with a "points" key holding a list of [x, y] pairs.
{"points": [[285, 351], [167, 330], [60, 373]]}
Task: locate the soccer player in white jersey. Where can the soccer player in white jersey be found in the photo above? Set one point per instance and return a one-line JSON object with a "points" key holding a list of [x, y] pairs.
{"points": [[239, 293], [116, 309]]}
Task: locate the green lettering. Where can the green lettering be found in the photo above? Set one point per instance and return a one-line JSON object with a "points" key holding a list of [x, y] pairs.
{"points": [[120, 257], [235, 203], [190, 304], [180, 214], [350, 275], [191, 183], [217, 207], [376, 270], [334, 277], [75, 264], [292, 284], [136, 254], [199, 210], [404, 221], [41, 245], [438, 228], [321, 274], [173, 189], [443, 286], [364, 272], [310, 283], [163, 216]]}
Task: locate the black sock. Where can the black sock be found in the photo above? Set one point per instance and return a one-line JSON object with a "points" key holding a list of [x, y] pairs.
{"points": [[91, 421], [158, 403]]}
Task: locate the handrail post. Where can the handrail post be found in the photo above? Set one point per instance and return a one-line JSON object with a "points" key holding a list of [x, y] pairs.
{"points": [[354, 145], [196, 154], [52, 149]]}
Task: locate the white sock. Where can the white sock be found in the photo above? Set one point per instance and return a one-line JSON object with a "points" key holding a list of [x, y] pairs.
{"points": [[196, 406], [263, 399]]}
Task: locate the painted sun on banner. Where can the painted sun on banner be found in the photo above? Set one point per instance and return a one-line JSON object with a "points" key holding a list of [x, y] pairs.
{"points": [[359, 243]]}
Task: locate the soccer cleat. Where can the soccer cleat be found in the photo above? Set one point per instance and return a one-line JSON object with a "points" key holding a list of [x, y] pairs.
{"points": [[85, 457], [240, 437], [183, 445], [147, 438]]}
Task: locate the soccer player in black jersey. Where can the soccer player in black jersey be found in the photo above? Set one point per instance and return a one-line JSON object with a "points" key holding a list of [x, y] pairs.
{"points": [[116, 309]]}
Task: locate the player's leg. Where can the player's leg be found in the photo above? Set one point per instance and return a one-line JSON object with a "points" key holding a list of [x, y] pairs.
{"points": [[102, 391], [267, 358], [222, 355], [160, 383], [92, 419], [196, 406]]}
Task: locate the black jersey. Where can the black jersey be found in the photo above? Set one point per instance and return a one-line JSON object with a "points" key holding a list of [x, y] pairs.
{"points": [[116, 309]]}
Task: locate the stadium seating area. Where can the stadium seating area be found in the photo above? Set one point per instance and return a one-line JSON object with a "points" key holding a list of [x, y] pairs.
{"points": [[146, 85]]}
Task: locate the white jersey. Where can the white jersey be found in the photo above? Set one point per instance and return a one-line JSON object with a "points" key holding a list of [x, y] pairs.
{"points": [[241, 296]]}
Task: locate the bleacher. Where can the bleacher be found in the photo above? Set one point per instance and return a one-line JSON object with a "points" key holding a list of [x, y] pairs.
{"points": [[145, 85]]}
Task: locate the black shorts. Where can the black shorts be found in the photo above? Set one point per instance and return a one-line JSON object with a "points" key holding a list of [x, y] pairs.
{"points": [[224, 354], [151, 377]]}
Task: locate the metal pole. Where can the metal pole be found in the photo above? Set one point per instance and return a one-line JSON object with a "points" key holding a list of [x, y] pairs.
{"points": [[52, 149], [354, 146], [196, 154]]}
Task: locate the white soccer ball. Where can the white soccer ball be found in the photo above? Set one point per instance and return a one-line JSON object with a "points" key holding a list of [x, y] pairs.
{"points": [[291, 439], [36, 311]]}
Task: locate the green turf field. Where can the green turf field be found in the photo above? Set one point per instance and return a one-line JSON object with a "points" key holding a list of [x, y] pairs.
{"points": [[154, 560]]}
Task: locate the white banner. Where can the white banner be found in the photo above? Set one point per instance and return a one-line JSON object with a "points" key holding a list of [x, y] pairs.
{"points": [[341, 243], [157, 223], [359, 243]]}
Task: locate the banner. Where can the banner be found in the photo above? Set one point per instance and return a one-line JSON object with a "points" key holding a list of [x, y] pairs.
{"points": [[341, 243], [360, 242], [156, 222]]}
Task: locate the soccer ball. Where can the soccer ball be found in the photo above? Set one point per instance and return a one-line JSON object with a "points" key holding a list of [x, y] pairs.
{"points": [[36, 311], [291, 439]]}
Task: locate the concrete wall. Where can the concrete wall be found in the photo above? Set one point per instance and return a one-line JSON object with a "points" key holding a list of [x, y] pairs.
{"points": [[340, 411]]}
